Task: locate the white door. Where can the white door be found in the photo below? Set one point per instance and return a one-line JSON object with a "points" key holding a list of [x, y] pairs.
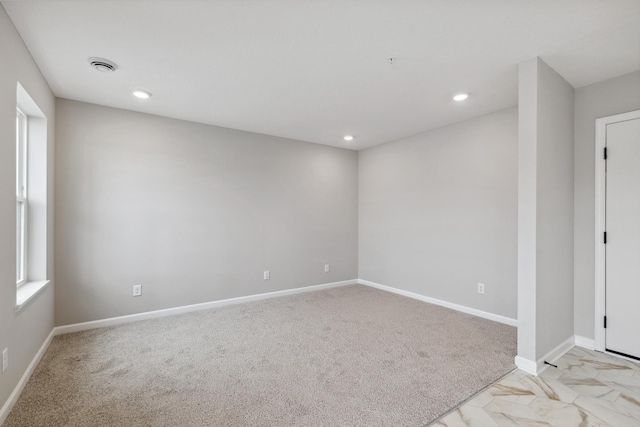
{"points": [[622, 333]]}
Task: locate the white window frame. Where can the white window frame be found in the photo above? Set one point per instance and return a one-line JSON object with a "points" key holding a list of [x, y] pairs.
{"points": [[32, 205], [22, 198]]}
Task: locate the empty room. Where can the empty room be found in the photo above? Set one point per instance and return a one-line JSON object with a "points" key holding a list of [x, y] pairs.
{"points": [[319, 213]]}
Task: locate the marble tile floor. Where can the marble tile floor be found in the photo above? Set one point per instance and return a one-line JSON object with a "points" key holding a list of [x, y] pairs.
{"points": [[587, 389]]}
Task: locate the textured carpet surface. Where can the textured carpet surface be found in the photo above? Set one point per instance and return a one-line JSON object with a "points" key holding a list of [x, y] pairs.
{"points": [[349, 356]]}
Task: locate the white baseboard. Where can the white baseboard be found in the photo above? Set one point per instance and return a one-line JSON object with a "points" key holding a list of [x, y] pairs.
{"points": [[584, 342], [536, 367], [556, 353], [84, 326], [13, 398], [529, 366], [462, 308]]}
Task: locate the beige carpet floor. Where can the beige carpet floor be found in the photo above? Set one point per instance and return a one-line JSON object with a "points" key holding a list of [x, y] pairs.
{"points": [[349, 356]]}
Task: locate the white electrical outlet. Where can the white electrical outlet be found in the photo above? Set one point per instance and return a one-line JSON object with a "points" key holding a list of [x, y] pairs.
{"points": [[137, 290], [5, 359], [481, 288], [326, 268], [266, 275]]}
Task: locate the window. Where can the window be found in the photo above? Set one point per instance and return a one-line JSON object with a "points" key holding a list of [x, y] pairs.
{"points": [[32, 213], [22, 201]]}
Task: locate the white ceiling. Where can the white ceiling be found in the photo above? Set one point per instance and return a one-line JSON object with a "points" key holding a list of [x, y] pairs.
{"points": [[315, 70]]}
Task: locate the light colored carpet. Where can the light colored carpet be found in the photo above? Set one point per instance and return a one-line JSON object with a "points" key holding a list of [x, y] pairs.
{"points": [[349, 356]]}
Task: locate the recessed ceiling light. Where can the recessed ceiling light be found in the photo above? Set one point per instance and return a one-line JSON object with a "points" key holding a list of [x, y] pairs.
{"points": [[348, 137], [142, 94], [461, 97]]}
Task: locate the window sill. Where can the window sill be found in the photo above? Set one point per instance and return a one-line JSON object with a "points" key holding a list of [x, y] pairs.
{"points": [[28, 292]]}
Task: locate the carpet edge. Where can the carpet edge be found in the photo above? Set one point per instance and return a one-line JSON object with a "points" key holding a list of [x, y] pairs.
{"points": [[112, 321], [457, 307]]}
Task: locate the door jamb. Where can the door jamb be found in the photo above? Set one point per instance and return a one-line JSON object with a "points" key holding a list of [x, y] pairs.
{"points": [[600, 221]]}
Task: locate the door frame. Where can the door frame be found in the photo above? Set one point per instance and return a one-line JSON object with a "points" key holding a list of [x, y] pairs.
{"points": [[600, 222]]}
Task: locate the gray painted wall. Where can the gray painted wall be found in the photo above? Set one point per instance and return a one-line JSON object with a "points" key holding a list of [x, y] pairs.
{"points": [[22, 333], [545, 210], [193, 213], [527, 206], [607, 98], [438, 213], [554, 247]]}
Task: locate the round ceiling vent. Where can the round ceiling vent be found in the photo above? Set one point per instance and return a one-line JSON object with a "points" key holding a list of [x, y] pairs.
{"points": [[103, 65]]}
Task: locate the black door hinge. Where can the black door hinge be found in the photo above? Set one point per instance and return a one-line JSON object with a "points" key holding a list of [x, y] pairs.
{"points": [[605, 237], [605, 322], [605, 153]]}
